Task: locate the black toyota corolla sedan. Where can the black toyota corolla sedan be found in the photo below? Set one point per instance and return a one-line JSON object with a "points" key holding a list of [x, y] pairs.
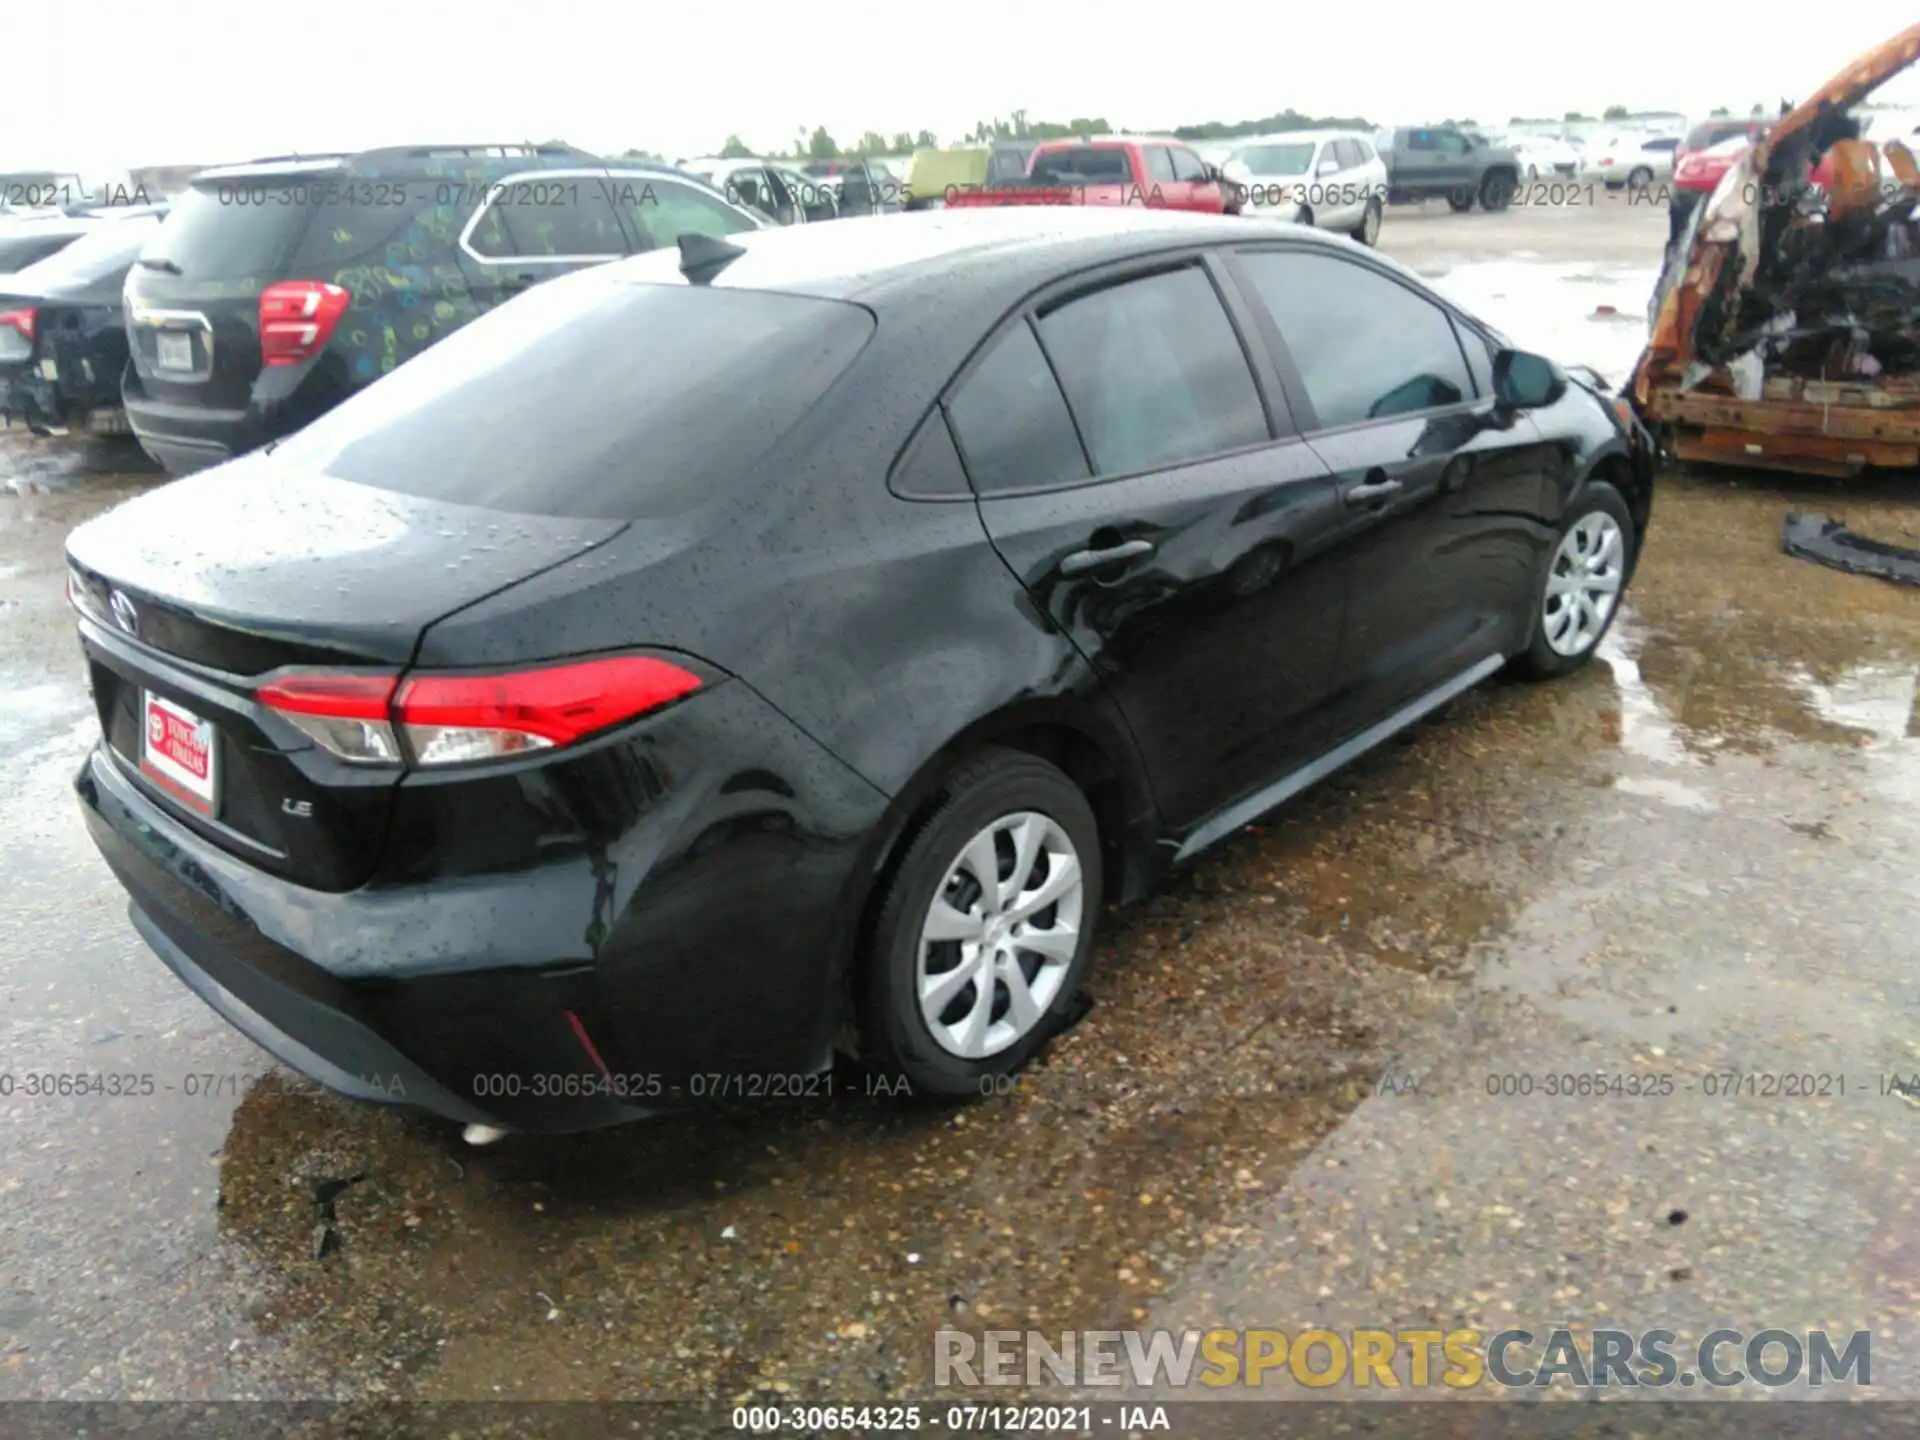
{"points": [[788, 644]]}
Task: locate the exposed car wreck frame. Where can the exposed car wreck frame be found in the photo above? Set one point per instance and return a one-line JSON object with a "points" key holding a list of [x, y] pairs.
{"points": [[1779, 322]]}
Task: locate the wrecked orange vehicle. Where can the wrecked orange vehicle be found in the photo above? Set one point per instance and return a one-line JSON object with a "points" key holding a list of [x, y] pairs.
{"points": [[1786, 326]]}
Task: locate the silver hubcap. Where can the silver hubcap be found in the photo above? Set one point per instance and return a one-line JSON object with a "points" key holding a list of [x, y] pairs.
{"points": [[1583, 583], [1370, 227], [1000, 935]]}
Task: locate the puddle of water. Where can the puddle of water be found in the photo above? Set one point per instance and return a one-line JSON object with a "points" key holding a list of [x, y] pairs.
{"points": [[1646, 730], [1882, 702], [1540, 308], [1668, 792]]}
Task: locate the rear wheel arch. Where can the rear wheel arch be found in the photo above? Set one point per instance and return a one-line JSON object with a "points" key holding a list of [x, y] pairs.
{"points": [[1101, 764], [1099, 761]]}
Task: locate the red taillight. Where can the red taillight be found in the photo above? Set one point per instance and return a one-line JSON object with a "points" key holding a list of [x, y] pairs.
{"points": [[454, 719], [297, 318], [345, 713], [20, 320]]}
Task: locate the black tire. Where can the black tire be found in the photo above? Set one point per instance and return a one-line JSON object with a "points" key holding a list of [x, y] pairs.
{"points": [[1639, 178], [1540, 661], [1496, 191], [994, 783], [1303, 215], [1460, 200], [1371, 215]]}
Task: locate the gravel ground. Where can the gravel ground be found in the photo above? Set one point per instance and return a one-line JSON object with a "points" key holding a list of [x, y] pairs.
{"points": [[1694, 858]]}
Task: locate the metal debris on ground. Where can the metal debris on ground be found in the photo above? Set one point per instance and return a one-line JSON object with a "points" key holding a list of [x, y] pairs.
{"points": [[1830, 543]]}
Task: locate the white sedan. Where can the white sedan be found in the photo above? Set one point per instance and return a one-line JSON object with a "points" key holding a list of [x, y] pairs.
{"points": [[1635, 161], [1542, 157]]}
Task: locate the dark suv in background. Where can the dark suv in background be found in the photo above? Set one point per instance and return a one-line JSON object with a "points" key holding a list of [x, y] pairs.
{"points": [[279, 287]]}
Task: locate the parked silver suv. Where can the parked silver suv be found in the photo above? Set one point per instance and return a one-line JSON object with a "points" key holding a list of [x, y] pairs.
{"points": [[1332, 179]]}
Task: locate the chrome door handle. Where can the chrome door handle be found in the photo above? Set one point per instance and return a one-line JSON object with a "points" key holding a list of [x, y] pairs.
{"points": [[1375, 490], [1081, 561]]}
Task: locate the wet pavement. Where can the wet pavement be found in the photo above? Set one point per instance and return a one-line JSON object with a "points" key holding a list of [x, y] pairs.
{"points": [[1295, 1101]]}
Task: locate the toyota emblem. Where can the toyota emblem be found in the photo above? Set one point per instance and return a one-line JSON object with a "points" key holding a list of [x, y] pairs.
{"points": [[124, 615]]}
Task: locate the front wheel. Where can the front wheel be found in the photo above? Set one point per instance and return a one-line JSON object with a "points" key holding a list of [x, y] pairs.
{"points": [[1586, 577], [1367, 232], [1461, 200], [1640, 178], [984, 927]]}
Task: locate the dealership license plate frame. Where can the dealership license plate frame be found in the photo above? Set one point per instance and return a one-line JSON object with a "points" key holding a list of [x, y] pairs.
{"points": [[173, 350], [167, 771]]}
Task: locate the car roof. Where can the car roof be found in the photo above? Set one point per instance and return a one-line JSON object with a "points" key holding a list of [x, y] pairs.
{"points": [[925, 264], [1300, 137], [426, 160]]}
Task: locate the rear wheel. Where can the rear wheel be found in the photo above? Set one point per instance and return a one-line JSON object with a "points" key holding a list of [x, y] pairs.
{"points": [[1586, 576], [1496, 191], [984, 927], [1367, 232]]}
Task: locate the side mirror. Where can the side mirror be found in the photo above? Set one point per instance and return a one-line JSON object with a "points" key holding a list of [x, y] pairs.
{"points": [[1327, 166], [1524, 381]]}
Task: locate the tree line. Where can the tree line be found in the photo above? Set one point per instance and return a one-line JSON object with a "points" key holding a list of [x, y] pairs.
{"points": [[818, 143]]}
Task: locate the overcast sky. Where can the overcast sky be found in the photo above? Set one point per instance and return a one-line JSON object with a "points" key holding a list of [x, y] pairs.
{"points": [[111, 83]]}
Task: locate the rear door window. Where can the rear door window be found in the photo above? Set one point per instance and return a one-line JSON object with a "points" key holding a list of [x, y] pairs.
{"points": [[594, 397], [1011, 420], [1154, 373], [559, 216]]}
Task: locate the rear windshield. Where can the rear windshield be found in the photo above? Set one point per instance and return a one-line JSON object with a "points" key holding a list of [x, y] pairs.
{"points": [[1083, 165], [1006, 165], [593, 398], [95, 255], [1276, 159], [19, 251], [229, 230]]}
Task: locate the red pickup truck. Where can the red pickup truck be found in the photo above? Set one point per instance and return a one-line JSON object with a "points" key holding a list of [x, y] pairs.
{"points": [[1158, 174]]}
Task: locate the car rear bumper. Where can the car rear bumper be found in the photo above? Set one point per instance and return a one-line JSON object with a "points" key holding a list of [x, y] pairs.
{"points": [[444, 996], [182, 438]]}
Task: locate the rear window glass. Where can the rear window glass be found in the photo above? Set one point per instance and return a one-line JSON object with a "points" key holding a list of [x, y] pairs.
{"points": [[233, 229], [1083, 165], [17, 251], [95, 255], [1289, 159], [592, 397], [1703, 136]]}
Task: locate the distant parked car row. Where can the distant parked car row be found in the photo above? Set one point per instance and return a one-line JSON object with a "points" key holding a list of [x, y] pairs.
{"points": [[63, 342]]}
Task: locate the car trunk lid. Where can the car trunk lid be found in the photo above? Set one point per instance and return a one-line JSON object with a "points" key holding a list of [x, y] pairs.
{"points": [[198, 593]]}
